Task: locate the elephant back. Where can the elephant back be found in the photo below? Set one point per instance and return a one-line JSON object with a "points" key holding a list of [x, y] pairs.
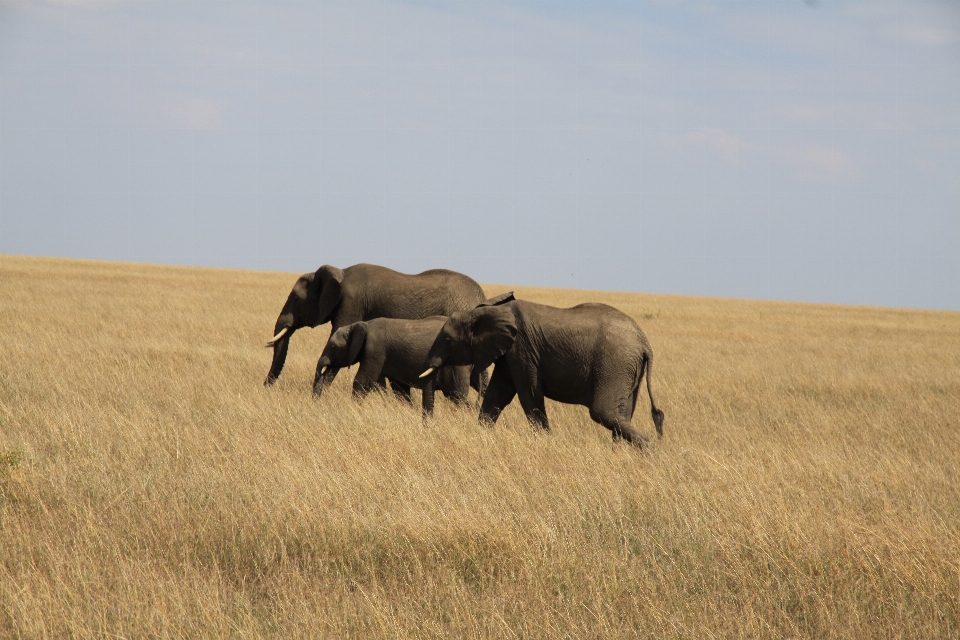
{"points": [[438, 292], [462, 292]]}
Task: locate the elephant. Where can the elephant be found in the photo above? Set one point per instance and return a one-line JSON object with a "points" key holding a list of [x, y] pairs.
{"points": [[365, 292], [591, 354], [387, 348]]}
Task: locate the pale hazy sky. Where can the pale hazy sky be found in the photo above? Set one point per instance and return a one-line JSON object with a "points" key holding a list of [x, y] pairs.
{"points": [[764, 149]]}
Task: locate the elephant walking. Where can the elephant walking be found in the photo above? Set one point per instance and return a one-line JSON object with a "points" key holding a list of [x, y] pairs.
{"points": [[365, 292], [592, 355], [395, 350]]}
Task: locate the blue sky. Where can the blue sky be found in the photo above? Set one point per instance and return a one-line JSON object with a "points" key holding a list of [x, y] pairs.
{"points": [[760, 149]]}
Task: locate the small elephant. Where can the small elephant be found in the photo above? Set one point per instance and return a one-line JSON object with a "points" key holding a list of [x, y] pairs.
{"points": [[591, 354], [365, 292], [395, 350]]}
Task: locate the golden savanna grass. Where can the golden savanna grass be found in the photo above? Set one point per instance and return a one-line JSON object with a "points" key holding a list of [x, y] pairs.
{"points": [[808, 484]]}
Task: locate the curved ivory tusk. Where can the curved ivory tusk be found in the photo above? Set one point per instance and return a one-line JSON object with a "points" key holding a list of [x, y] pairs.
{"points": [[278, 336], [324, 370], [428, 372]]}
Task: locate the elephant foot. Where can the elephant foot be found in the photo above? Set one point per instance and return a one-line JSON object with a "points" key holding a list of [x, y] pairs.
{"points": [[488, 420], [538, 418], [635, 438]]}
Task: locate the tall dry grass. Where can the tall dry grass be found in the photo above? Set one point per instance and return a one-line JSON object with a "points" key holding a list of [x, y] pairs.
{"points": [[808, 484]]}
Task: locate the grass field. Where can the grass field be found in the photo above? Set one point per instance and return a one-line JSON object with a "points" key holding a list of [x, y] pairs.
{"points": [[807, 486]]}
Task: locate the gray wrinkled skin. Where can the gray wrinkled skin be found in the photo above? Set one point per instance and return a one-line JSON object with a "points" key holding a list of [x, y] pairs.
{"points": [[395, 350], [365, 292], [592, 355]]}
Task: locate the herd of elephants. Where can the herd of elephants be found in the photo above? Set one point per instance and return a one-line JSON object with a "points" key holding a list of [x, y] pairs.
{"points": [[437, 330]]}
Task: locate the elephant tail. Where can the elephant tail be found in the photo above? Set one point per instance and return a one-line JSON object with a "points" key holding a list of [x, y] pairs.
{"points": [[646, 366]]}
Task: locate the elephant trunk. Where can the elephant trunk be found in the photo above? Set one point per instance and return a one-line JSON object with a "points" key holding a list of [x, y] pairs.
{"points": [[433, 363], [323, 364], [435, 360], [479, 380], [279, 358], [325, 376]]}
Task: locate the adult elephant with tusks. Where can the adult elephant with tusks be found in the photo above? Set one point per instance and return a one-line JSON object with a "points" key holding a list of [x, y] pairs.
{"points": [[592, 355], [365, 292]]}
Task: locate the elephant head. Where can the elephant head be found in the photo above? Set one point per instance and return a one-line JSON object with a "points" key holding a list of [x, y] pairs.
{"points": [[312, 302], [476, 337], [344, 347]]}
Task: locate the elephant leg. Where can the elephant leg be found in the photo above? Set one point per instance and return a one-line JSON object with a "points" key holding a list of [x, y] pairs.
{"points": [[616, 420], [499, 394], [613, 404], [364, 386], [401, 390], [455, 385], [532, 400], [458, 398], [322, 380], [479, 379], [368, 379]]}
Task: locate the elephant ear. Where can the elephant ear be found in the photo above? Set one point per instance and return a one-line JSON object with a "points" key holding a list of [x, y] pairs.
{"points": [[492, 333], [358, 335], [328, 279], [503, 298]]}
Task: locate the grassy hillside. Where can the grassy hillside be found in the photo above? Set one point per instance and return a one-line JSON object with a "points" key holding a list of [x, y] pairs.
{"points": [[808, 484]]}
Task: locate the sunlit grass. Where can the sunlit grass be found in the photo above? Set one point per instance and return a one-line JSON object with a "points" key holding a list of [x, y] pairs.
{"points": [[808, 483]]}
